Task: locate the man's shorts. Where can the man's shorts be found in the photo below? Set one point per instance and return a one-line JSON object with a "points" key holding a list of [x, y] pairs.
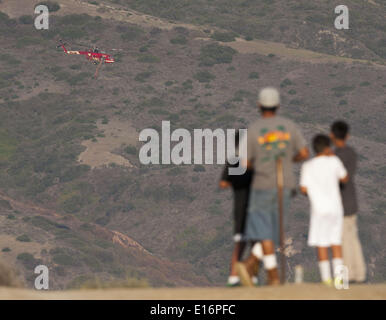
{"points": [[263, 214], [240, 213]]}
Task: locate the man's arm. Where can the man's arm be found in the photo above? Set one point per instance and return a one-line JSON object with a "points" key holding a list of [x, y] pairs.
{"points": [[224, 184], [302, 155], [345, 179], [342, 172], [303, 190]]}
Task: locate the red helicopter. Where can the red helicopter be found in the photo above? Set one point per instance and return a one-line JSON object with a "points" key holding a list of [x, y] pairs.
{"points": [[94, 55]]}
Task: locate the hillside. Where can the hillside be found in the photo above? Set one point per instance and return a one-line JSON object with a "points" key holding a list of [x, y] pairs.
{"points": [[69, 170]]}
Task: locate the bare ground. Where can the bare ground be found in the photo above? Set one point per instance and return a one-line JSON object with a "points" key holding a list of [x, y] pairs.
{"points": [[290, 291], [99, 153]]}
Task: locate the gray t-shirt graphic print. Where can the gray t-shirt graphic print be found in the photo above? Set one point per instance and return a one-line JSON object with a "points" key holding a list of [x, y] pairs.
{"points": [[267, 139]]}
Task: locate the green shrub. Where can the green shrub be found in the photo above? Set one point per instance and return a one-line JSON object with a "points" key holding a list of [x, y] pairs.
{"points": [[52, 5], [179, 192], [199, 168], [342, 90], [6, 249], [187, 84], [204, 76], [253, 75], [72, 32], [43, 223], [148, 58], [78, 78], [4, 204], [27, 41], [143, 76], [9, 59], [180, 39], [65, 259], [286, 82], [23, 238], [131, 150], [214, 53], [215, 210], [129, 33], [224, 36], [26, 19], [27, 260], [76, 19], [153, 102], [4, 17], [296, 102], [175, 171]]}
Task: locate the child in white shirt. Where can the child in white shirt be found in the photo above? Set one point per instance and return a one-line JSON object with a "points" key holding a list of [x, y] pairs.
{"points": [[319, 179]]}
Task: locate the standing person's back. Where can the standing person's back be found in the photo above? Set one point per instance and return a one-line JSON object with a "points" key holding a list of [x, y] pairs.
{"points": [[352, 250], [322, 180], [241, 187], [319, 179], [349, 158], [320, 176], [268, 139]]}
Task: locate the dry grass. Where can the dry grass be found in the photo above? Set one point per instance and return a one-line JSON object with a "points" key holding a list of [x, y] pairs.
{"points": [[8, 278]]}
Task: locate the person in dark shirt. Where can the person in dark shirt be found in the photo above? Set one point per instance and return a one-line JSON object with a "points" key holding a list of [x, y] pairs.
{"points": [[240, 185], [352, 250]]}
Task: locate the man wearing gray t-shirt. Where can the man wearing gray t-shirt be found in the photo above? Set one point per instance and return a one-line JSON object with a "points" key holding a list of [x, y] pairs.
{"points": [[269, 138]]}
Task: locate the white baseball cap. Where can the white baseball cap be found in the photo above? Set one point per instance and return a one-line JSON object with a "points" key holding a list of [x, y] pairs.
{"points": [[269, 97]]}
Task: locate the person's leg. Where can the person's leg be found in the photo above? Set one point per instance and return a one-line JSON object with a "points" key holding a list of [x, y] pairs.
{"points": [[270, 263], [324, 265], [233, 278], [249, 268], [239, 216], [337, 260], [236, 256], [358, 259], [347, 247]]}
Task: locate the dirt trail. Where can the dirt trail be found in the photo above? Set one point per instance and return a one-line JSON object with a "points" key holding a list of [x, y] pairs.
{"points": [[290, 291], [20, 7], [102, 232]]}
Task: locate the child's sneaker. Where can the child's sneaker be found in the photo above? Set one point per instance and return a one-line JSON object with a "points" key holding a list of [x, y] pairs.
{"points": [[338, 281], [233, 281], [328, 283]]}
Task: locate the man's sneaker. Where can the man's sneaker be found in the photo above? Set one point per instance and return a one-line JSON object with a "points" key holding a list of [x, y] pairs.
{"points": [[245, 277], [233, 281], [328, 283], [247, 270]]}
